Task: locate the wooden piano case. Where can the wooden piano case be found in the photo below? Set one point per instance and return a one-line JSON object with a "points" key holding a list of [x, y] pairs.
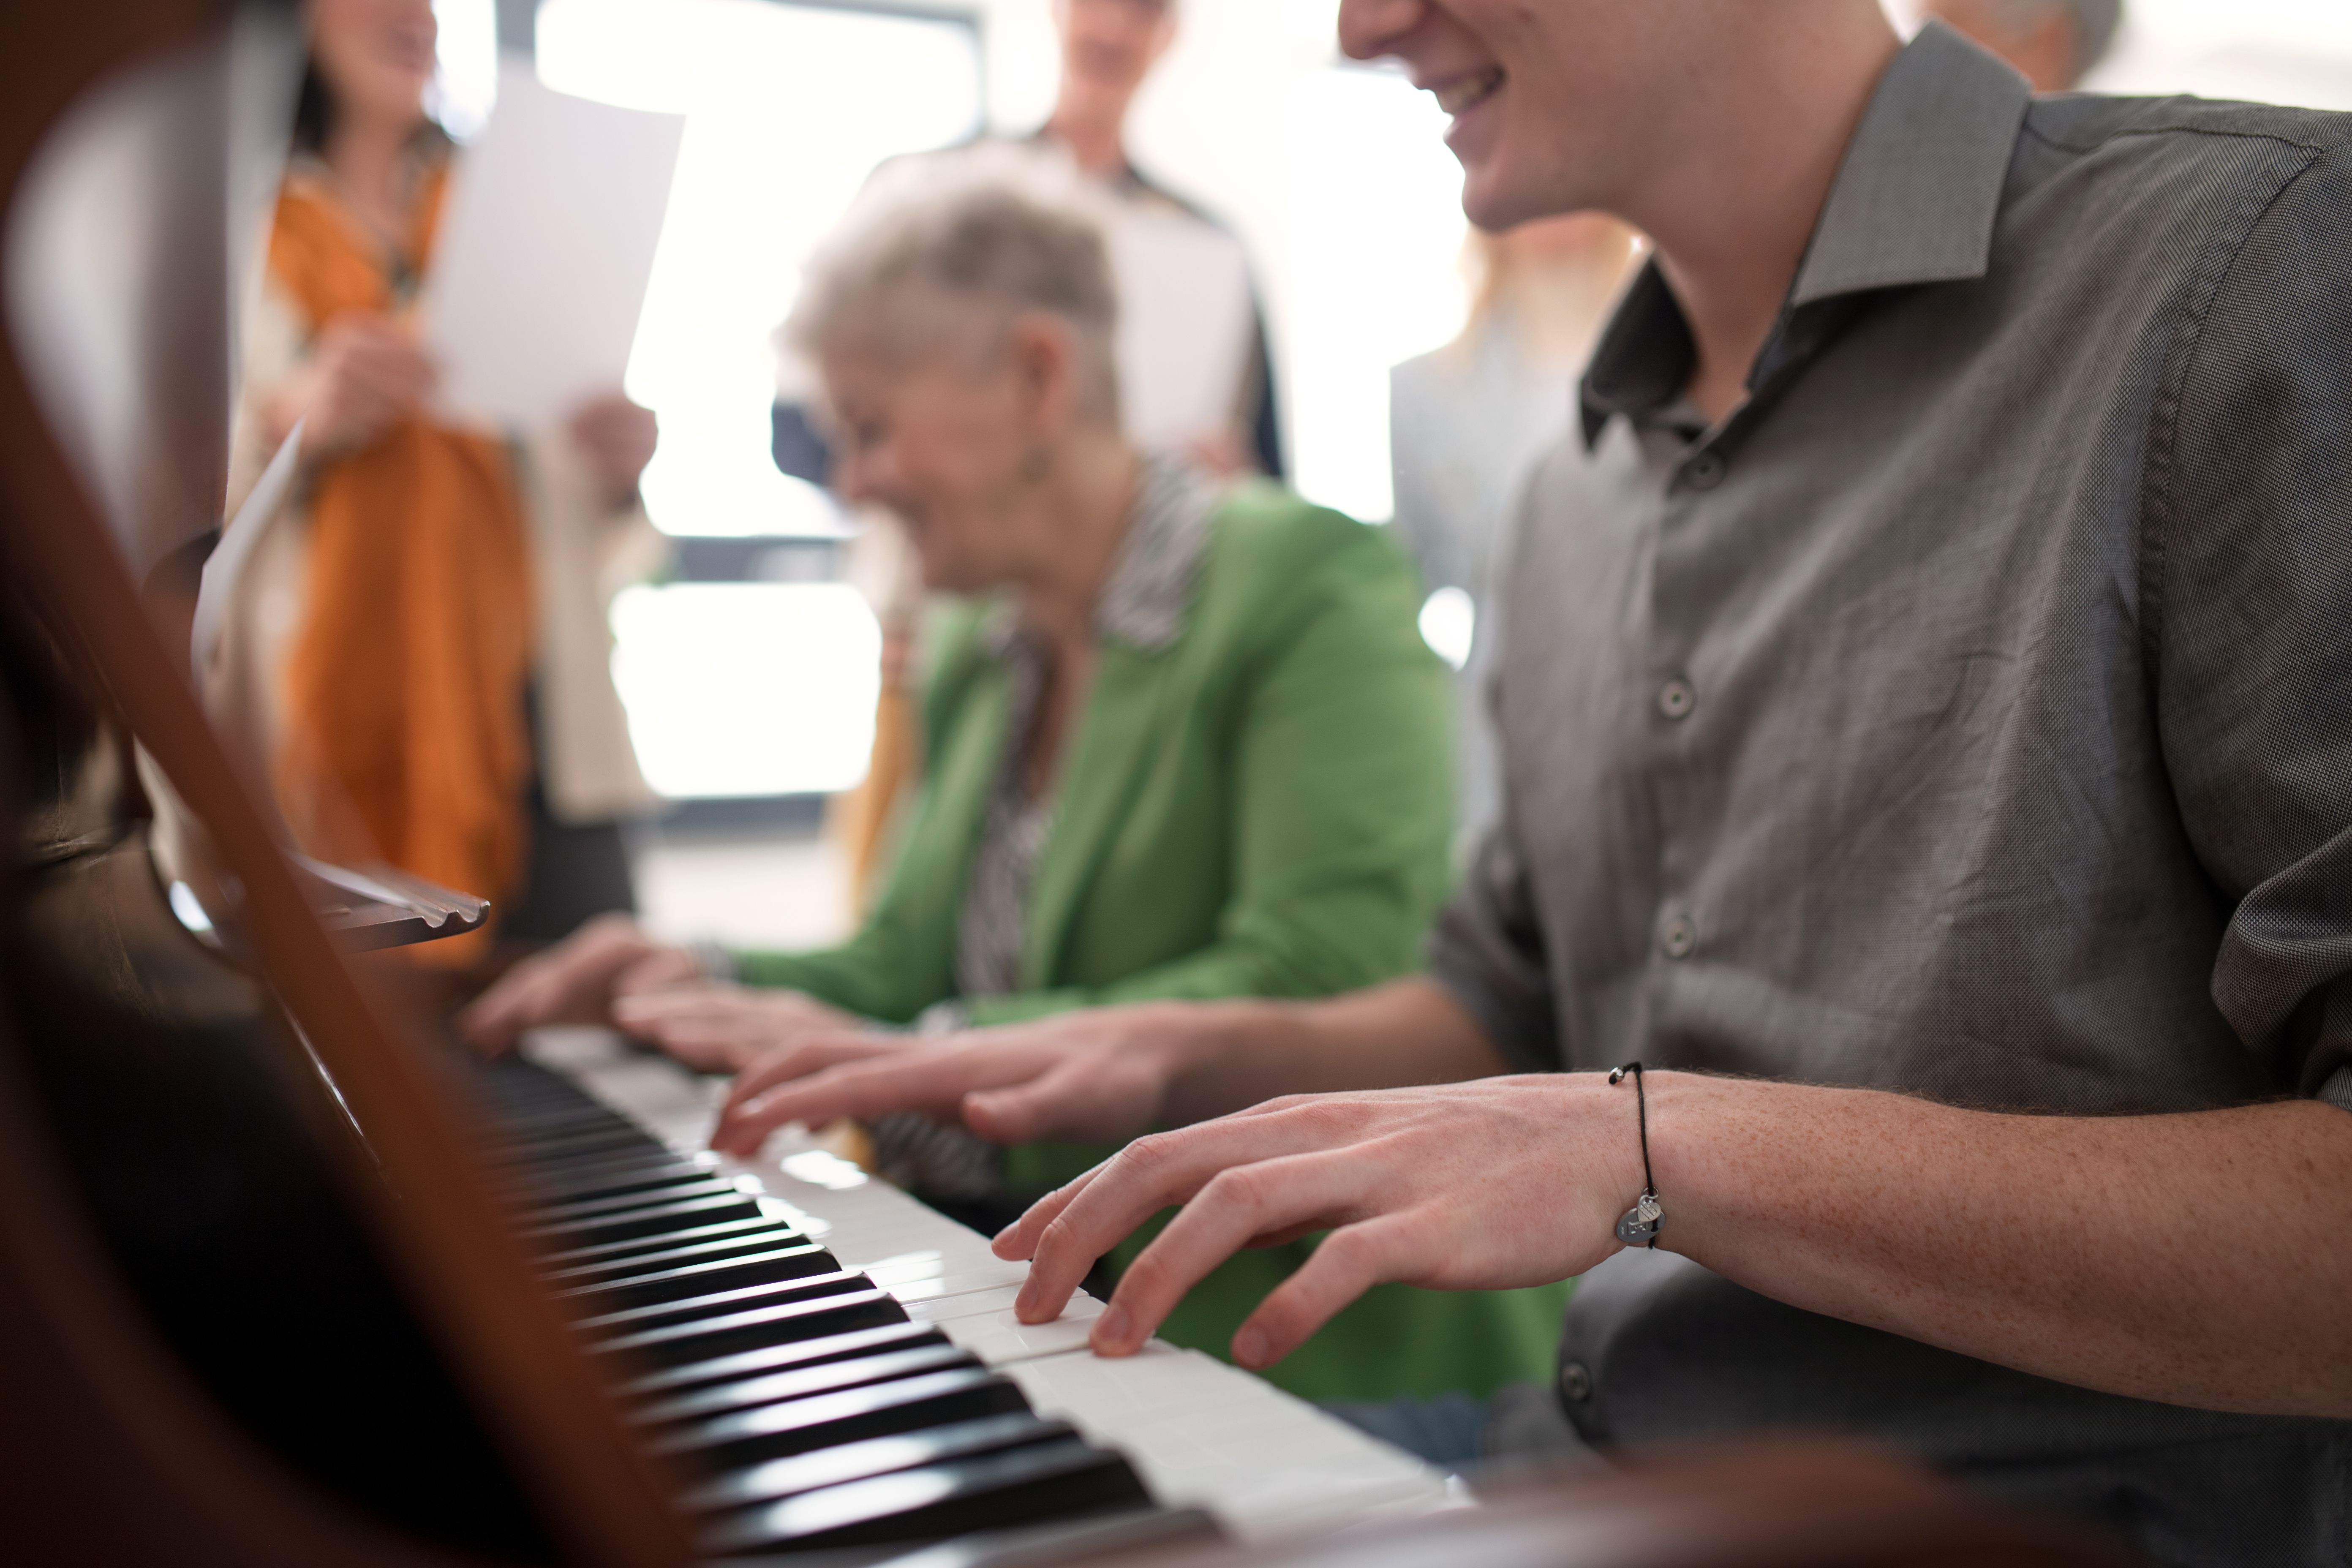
{"points": [[233, 1327]]}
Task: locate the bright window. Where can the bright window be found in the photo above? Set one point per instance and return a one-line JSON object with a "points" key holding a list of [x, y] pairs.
{"points": [[1372, 255], [789, 109], [749, 688]]}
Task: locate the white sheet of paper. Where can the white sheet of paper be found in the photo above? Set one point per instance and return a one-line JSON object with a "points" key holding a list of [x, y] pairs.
{"points": [[1184, 326], [545, 249]]}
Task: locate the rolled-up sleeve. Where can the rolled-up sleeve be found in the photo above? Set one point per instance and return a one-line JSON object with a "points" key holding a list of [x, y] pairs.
{"points": [[2248, 607], [1487, 952]]}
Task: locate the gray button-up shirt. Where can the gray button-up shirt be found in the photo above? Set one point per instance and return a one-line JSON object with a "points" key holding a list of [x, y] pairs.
{"points": [[1968, 715]]}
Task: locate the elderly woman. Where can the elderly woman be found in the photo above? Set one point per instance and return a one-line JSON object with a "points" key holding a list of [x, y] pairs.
{"points": [[1179, 743]]}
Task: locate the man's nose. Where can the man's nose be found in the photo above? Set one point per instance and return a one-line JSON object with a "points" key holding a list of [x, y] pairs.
{"points": [[1370, 28]]}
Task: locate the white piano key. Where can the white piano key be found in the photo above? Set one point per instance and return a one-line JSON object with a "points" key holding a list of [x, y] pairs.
{"points": [[950, 1308], [927, 1275], [1082, 1308], [1002, 1339], [1207, 1434], [1159, 1379]]}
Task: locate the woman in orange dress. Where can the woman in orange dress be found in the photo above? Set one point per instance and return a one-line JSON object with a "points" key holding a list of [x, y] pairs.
{"points": [[430, 596]]}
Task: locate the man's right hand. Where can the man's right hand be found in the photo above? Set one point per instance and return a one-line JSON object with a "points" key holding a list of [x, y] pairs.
{"points": [[575, 981]]}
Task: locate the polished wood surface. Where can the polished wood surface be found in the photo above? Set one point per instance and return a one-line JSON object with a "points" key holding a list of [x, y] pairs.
{"points": [[1798, 1503], [417, 1172]]}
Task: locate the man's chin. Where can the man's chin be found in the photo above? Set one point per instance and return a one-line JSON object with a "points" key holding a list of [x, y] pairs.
{"points": [[1494, 209], [1495, 203]]}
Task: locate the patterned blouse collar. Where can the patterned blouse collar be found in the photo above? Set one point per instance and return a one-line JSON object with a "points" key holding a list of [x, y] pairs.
{"points": [[1147, 597]]}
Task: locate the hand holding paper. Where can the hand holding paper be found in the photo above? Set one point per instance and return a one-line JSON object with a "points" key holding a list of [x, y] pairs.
{"points": [[546, 248]]}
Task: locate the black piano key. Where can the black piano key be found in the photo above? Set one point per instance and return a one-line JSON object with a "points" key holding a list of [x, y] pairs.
{"points": [[800, 1381], [845, 1416], [632, 1173], [645, 1245], [600, 1140], [571, 1210], [845, 1346], [777, 1478], [523, 1125], [676, 1344], [655, 1256], [802, 1259], [570, 1136], [1018, 1486], [650, 1219], [713, 1304]]}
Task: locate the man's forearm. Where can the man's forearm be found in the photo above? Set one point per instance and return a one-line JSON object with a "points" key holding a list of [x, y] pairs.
{"points": [[2200, 1259], [1244, 1053]]}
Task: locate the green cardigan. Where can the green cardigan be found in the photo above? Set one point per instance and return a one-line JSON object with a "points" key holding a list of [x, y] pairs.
{"points": [[1261, 809]]}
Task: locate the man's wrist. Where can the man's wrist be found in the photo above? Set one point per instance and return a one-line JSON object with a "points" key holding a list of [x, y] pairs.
{"points": [[1687, 1121], [1609, 1117]]}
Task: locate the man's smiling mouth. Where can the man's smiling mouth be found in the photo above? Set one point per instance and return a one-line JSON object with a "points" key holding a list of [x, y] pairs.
{"points": [[1466, 92]]}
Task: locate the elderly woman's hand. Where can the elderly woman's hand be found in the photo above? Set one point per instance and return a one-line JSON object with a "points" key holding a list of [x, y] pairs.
{"points": [[574, 982], [723, 1028], [1085, 1076]]}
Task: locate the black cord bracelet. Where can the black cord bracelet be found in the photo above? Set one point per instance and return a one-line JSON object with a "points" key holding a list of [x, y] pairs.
{"points": [[1639, 1225]]}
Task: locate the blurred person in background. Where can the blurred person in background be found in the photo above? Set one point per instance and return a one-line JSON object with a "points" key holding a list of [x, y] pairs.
{"points": [[1182, 740], [2054, 43], [1467, 423], [1108, 50], [420, 650]]}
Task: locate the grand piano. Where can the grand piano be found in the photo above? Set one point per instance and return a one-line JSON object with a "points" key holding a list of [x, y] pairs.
{"points": [[286, 1279]]}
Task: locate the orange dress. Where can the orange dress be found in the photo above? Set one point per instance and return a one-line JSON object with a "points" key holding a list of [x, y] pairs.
{"points": [[406, 740]]}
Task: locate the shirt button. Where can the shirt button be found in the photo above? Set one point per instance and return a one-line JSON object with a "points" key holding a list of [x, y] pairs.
{"points": [[1575, 1382], [1707, 470], [1679, 937], [1676, 698]]}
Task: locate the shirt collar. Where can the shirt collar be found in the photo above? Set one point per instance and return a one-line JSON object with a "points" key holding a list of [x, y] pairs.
{"points": [[1147, 597], [1915, 202]]}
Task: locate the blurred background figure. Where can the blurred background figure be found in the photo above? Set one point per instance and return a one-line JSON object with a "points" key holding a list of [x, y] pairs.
{"points": [[1184, 741], [1467, 423], [422, 655], [1108, 49], [2054, 42]]}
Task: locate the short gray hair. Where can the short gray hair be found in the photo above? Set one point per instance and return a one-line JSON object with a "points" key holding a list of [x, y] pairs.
{"points": [[965, 229]]}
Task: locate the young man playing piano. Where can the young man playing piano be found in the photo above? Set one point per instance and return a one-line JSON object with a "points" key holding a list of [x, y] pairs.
{"points": [[1927, 740]]}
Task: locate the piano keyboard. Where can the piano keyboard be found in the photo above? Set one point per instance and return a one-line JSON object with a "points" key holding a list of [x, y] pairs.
{"points": [[838, 1365]]}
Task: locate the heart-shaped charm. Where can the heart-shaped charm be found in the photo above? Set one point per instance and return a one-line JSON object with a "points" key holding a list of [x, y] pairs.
{"points": [[1639, 1225]]}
